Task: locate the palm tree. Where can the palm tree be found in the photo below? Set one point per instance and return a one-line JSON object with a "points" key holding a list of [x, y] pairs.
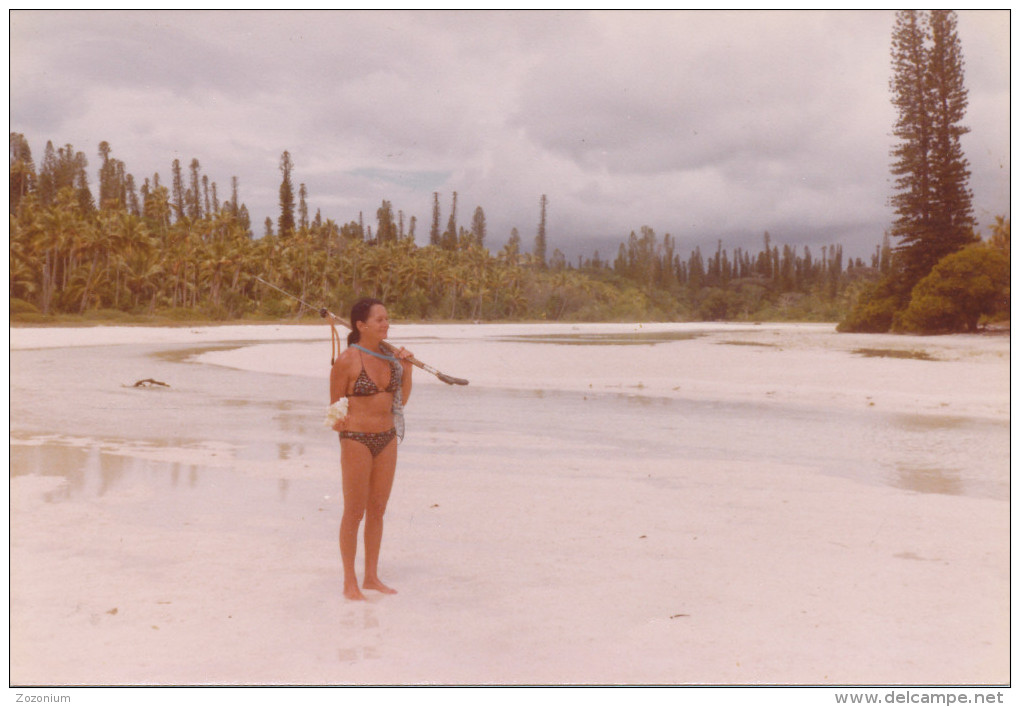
{"points": [[22, 272], [53, 237], [141, 268]]}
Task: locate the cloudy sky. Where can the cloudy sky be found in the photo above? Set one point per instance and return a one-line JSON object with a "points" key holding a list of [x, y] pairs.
{"points": [[704, 125]]}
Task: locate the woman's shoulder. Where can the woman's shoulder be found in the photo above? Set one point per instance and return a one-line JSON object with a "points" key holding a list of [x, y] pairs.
{"points": [[347, 359]]}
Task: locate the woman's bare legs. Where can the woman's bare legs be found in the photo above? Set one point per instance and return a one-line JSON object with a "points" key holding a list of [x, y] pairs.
{"points": [[380, 484], [367, 482], [356, 468]]}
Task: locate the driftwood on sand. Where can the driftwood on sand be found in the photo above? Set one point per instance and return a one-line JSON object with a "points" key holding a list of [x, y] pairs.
{"points": [[147, 382]]}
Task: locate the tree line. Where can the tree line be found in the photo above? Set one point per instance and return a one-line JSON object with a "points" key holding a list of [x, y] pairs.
{"points": [[184, 251]]}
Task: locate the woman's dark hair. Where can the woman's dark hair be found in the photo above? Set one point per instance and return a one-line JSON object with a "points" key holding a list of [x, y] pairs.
{"points": [[359, 313]]}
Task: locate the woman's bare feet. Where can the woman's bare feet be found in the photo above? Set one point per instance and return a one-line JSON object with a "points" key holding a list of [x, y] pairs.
{"points": [[352, 592], [378, 586]]}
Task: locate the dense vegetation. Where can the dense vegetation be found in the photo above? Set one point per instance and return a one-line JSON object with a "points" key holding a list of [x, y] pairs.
{"points": [[941, 278], [181, 253]]}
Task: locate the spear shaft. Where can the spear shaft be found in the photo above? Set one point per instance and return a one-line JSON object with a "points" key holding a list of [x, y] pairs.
{"points": [[324, 313]]}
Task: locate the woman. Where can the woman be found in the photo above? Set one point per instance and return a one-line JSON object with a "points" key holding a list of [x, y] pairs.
{"points": [[376, 385]]}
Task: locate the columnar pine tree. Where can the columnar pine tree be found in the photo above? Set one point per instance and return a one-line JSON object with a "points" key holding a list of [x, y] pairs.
{"points": [[434, 235], [177, 190], [540, 242], [81, 183], [302, 207], [387, 230], [233, 195], [133, 204], [286, 223], [449, 241], [195, 190], [107, 187], [932, 202], [478, 226], [950, 169]]}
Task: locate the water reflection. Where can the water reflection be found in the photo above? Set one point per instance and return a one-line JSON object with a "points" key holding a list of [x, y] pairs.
{"points": [[923, 453], [90, 471], [929, 479], [278, 419], [947, 455]]}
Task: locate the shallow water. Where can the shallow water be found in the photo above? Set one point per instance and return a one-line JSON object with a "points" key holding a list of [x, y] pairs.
{"points": [[919, 453], [75, 409]]}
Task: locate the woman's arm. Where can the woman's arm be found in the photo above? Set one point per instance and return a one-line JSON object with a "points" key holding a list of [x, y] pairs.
{"points": [[339, 379], [339, 376], [405, 380]]}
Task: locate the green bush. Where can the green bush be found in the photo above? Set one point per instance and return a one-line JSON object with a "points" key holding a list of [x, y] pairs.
{"points": [[958, 291], [873, 311], [718, 304], [631, 305]]}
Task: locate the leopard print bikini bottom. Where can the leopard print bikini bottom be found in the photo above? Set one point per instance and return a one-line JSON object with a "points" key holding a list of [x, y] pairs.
{"points": [[375, 441]]}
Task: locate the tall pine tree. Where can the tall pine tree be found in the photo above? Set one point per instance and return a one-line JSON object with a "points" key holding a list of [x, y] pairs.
{"points": [[434, 235], [387, 230], [286, 223], [302, 207], [177, 186], [195, 190], [449, 241], [540, 242], [932, 201], [478, 226], [950, 171]]}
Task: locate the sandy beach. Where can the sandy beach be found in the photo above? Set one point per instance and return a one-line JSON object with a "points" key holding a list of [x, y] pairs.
{"points": [[677, 504]]}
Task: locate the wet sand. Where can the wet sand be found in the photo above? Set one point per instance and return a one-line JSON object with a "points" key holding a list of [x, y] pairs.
{"points": [[188, 535]]}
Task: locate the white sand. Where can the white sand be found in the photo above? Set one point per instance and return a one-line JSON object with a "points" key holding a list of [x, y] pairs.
{"points": [[796, 363], [701, 570]]}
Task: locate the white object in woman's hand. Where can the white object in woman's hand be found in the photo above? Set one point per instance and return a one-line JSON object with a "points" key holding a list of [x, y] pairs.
{"points": [[336, 415]]}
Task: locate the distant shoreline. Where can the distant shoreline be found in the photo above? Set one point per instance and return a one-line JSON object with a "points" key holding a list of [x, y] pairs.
{"points": [[992, 329]]}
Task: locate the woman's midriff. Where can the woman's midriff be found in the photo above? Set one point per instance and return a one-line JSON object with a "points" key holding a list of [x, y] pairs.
{"points": [[373, 413]]}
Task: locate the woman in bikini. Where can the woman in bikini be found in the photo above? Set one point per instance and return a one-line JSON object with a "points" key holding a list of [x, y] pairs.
{"points": [[376, 385]]}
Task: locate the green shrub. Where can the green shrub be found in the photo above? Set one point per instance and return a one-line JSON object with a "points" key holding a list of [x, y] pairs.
{"points": [[873, 311], [957, 292], [718, 304]]}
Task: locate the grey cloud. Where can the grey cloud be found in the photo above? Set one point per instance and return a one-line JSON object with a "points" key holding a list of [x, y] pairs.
{"points": [[702, 124]]}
